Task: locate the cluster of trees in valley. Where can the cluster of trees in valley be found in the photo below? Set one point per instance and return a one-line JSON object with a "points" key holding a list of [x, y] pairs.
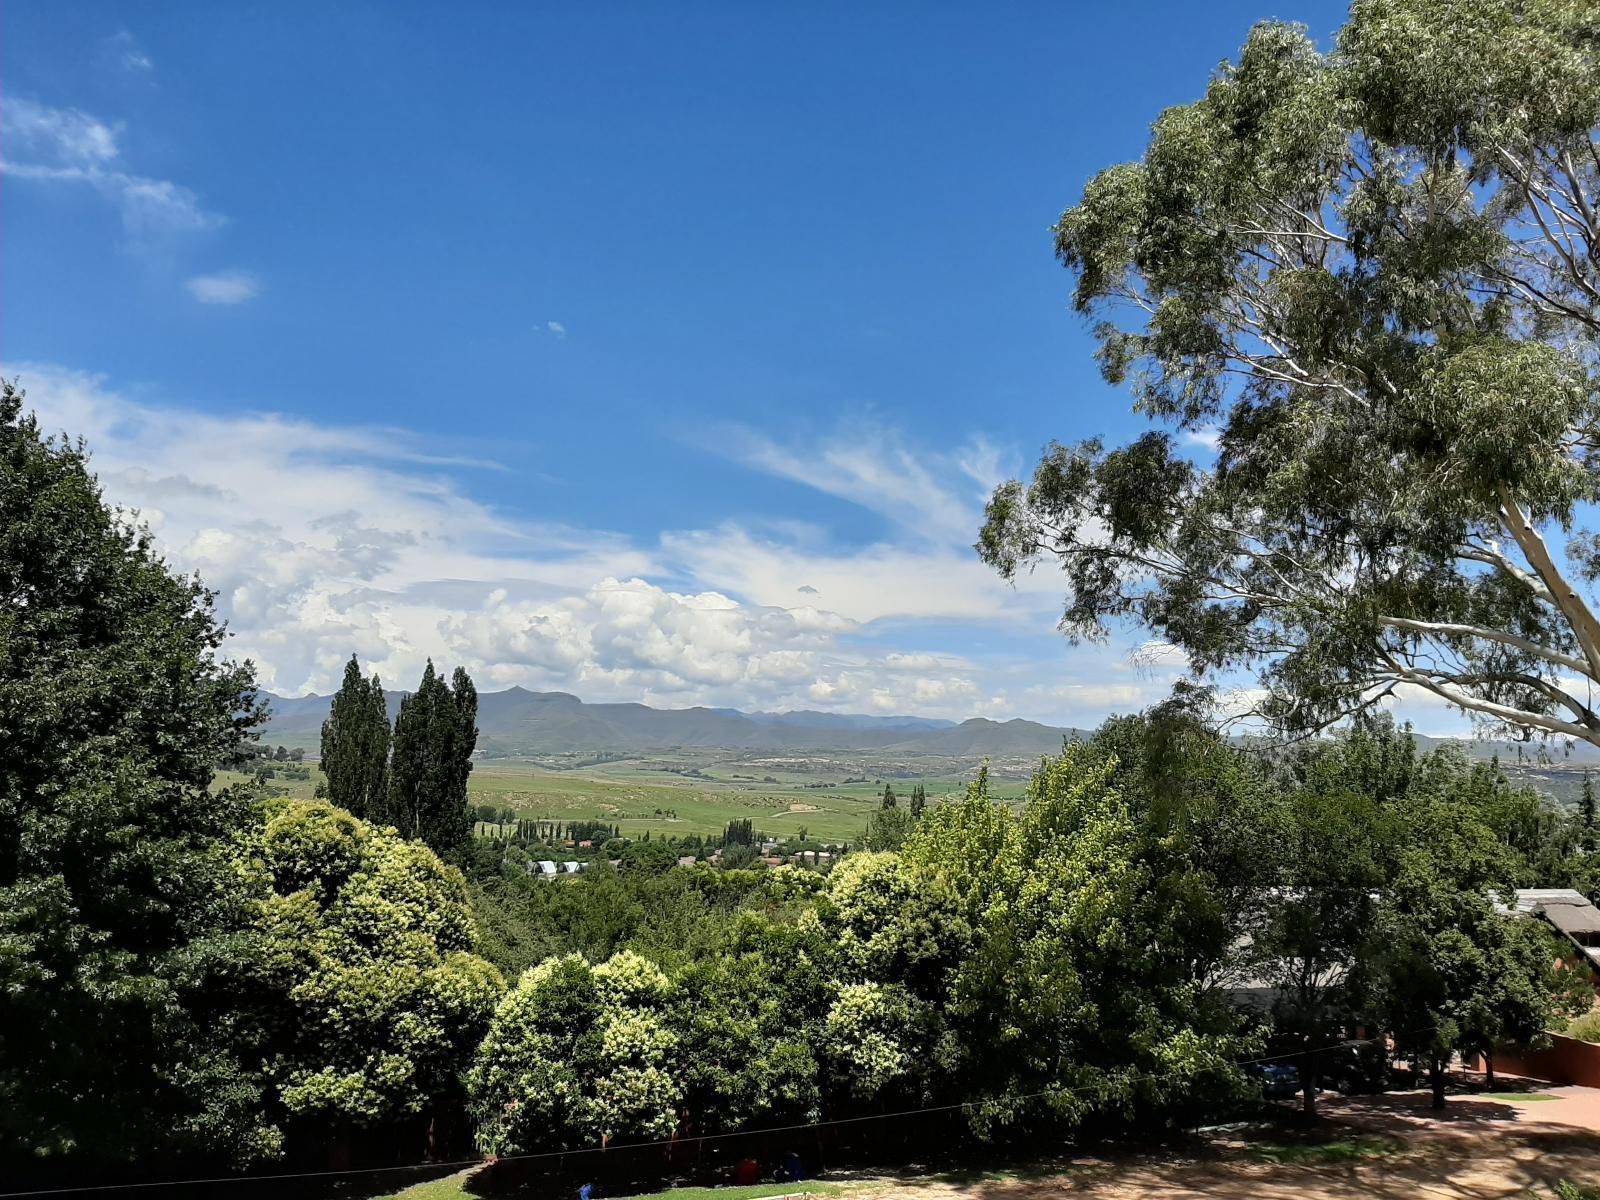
{"points": [[1369, 276]]}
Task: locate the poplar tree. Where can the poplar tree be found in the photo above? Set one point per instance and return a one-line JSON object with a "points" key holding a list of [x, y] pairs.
{"points": [[435, 733], [355, 745]]}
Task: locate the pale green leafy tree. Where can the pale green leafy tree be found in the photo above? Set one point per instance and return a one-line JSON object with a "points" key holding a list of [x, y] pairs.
{"points": [[577, 1056], [359, 1001], [1371, 278]]}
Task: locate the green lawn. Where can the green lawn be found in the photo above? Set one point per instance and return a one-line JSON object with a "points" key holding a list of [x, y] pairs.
{"points": [[1352, 1149], [453, 1187], [1515, 1096]]}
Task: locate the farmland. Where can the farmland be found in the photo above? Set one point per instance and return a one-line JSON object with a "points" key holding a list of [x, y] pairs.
{"points": [[672, 796]]}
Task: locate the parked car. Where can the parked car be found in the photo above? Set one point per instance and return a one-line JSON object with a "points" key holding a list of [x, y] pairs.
{"points": [[1356, 1068], [1279, 1081]]}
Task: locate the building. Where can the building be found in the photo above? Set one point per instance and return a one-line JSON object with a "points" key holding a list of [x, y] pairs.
{"points": [[571, 868], [1568, 911], [544, 868]]}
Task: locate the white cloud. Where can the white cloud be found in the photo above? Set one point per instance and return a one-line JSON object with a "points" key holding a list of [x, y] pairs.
{"points": [[323, 540], [225, 287], [68, 146], [557, 328], [874, 468], [1207, 438], [870, 583], [125, 49], [63, 136]]}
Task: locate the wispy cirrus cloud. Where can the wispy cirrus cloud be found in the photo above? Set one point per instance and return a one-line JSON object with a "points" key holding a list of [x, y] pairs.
{"points": [[225, 287], [124, 48], [69, 147], [872, 467]]}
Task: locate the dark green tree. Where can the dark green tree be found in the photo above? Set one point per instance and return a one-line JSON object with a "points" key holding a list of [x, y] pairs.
{"points": [[355, 744], [1371, 279], [1586, 814], [115, 709], [889, 799], [919, 801], [435, 734]]}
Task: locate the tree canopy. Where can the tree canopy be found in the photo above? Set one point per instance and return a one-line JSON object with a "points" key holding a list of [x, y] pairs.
{"points": [[1370, 277], [355, 744], [115, 708]]}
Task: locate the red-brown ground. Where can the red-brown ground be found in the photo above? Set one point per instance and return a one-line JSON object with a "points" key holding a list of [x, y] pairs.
{"points": [[1477, 1149]]}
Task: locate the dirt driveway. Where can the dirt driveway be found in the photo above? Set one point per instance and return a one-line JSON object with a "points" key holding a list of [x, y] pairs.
{"points": [[1477, 1149]]}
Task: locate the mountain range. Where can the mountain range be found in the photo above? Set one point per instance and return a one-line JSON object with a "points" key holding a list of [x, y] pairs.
{"points": [[518, 721]]}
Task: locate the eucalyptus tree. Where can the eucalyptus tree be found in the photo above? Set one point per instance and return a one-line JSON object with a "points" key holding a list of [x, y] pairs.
{"points": [[1370, 278]]}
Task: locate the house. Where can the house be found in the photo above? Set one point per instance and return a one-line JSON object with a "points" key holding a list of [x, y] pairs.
{"points": [[571, 868], [773, 860], [586, 844], [686, 861], [544, 868], [1568, 911]]}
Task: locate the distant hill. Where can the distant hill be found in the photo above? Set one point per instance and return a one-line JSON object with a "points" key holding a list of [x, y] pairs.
{"points": [[518, 721]]}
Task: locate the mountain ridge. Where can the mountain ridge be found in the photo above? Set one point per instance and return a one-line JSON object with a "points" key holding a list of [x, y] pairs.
{"points": [[518, 721]]}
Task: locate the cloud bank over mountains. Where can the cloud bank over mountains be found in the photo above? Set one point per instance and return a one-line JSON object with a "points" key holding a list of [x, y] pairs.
{"points": [[322, 540]]}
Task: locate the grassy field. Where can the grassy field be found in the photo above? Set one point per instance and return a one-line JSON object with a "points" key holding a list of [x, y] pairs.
{"points": [[663, 796], [641, 797]]}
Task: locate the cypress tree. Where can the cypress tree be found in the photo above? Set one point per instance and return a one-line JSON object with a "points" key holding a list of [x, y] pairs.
{"points": [[919, 800], [355, 746], [435, 734], [889, 799]]}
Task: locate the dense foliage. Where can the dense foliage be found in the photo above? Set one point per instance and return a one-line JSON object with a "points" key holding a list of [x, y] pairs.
{"points": [[115, 709], [360, 1000], [435, 733], [1372, 278], [355, 745]]}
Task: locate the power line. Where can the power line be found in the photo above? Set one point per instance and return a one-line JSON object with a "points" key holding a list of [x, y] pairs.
{"points": [[699, 1138]]}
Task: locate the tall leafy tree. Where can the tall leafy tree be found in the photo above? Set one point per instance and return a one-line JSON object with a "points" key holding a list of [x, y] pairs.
{"points": [[355, 744], [578, 1056], [435, 734], [115, 708], [1371, 279], [361, 1002], [1452, 972]]}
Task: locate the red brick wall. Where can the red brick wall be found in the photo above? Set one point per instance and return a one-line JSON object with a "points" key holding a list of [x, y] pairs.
{"points": [[1567, 1060]]}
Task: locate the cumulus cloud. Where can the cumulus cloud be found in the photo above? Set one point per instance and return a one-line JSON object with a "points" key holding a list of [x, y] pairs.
{"points": [[225, 287], [324, 540], [69, 146], [557, 328]]}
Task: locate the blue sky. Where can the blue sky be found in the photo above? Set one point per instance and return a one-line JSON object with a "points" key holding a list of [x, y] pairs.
{"points": [[655, 352]]}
